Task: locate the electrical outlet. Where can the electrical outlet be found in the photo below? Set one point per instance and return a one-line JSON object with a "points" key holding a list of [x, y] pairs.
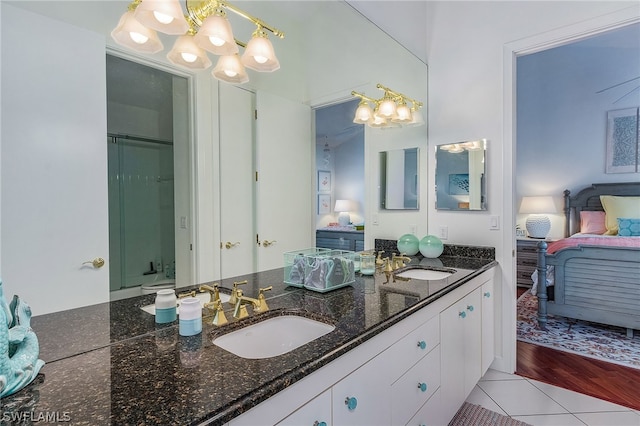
{"points": [[494, 222], [374, 219], [443, 232]]}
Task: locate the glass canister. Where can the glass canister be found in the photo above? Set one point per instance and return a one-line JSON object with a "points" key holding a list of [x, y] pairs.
{"points": [[367, 264], [190, 322], [166, 303]]}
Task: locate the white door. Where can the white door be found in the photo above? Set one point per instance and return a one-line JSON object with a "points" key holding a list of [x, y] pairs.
{"points": [[54, 164], [284, 193], [237, 178]]}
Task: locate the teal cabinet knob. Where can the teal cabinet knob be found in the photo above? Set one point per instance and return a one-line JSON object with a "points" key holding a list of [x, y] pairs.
{"points": [[317, 423], [487, 294], [351, 403], [462, 314], [422, 387], [470, 308], [422, 344]]}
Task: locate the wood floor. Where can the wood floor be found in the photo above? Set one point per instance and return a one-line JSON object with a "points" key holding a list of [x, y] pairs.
{"points": [[604, 380]]}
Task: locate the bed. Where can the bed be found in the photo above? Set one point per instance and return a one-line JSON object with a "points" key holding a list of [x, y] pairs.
{"points": [[590, 276]]}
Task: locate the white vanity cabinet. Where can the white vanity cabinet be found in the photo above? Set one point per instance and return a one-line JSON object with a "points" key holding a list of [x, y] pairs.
{"points": [[419, 371]]}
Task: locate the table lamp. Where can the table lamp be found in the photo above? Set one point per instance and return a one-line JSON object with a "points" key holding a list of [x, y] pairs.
{"points": [[538, 224], [343, 207]]}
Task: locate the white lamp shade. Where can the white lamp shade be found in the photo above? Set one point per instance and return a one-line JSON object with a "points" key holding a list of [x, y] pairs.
{"points": [[230, 69], [215, 35], [363, 113], [259, 54], [377, 121], [416, 118], [186, 53], [387, 108], [537, 205], [132, 34], [165, 16], [343, 207]]}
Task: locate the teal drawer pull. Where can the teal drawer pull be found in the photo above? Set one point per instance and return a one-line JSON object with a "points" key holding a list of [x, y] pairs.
{"points": [[470, 308], [351, 403], [462, 314], [422, 387], [317, 423], [487, 294], [422, 344]]}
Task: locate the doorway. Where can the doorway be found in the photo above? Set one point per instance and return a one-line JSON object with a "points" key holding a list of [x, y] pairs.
{"points": [[148, 163]]}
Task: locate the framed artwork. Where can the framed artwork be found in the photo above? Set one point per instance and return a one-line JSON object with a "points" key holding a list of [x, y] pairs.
{"points": [[459, 184], [623, 147], [324, 181], [324, 204]]}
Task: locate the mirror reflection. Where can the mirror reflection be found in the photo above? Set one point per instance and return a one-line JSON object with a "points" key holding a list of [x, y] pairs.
{"points": [[399, 179], [461, 176]]}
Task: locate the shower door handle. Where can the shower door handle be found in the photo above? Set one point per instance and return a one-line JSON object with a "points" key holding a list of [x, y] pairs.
{"points": [[98, 262]]}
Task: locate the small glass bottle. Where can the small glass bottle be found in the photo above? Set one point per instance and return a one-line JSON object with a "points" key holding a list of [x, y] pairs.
{"points": [[190, 322], [166, 303]]}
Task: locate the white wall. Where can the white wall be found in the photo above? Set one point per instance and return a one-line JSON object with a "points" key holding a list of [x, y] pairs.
{"points": [[470, 52], [562, 119]]}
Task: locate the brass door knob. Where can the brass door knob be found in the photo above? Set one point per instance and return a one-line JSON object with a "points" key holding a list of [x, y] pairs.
{"points": [[98, 262], [229, 244]]}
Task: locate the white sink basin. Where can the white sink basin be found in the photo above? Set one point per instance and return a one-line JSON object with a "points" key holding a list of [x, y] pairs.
{"points": [[204, 298], [272, 337], [424, 274]]}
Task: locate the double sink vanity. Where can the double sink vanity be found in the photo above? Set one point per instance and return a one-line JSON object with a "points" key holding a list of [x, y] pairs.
{"points": [[389, 351]]}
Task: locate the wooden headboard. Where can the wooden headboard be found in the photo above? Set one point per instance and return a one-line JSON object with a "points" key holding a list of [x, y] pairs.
{"points": [[588, 199]]}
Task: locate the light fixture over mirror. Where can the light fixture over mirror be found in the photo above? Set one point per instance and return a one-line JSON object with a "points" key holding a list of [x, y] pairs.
{"points": [[461, 176], [204, 28], [388, 112]]}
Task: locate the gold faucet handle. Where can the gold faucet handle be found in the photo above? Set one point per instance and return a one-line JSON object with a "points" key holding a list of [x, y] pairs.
{"points": [[234, 291], [262, 302], [388, 267], [191, 293], [214, 293], [379, 259], [219, 318]]}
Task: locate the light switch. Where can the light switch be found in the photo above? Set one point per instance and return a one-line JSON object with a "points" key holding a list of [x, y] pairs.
{"points": [[444, 232], [494, 222]]}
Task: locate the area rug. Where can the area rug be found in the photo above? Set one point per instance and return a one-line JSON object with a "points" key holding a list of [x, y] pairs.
{"points": [[472, 414], [606, 343]]}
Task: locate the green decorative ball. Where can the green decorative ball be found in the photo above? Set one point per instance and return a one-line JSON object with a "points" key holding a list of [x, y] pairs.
{"points": [[431, 246], [408, 244]]}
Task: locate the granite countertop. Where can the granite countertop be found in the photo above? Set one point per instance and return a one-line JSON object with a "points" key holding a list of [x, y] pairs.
{"points": [[111, 364]]}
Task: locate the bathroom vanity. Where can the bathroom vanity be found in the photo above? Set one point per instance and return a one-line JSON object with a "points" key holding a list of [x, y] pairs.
{"points": [[401, 351]]}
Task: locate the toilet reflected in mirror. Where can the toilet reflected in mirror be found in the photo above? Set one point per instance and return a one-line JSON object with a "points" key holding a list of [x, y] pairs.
{"points": [[461, 176]]}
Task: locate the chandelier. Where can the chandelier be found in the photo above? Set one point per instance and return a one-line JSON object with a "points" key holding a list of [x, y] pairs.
{"points": [[204, 28], [393, 109]]}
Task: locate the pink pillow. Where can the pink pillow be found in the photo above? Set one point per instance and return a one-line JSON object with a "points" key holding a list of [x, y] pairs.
{"points": [[592, 222]]}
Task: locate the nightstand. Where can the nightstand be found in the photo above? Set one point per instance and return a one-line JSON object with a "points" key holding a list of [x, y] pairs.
{"points": [[526, 260]]}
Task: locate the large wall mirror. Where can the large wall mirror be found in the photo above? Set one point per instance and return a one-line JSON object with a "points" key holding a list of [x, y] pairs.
{"points": [[461, 176], [399, 181]]}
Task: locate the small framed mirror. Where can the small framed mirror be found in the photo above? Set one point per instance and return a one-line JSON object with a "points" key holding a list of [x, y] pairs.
{"points": [[461, 176], [399, 180]]}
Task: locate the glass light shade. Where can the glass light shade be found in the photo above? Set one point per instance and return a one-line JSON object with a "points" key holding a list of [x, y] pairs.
{"points": [[230, 69], [215, 35], [403, 114], [132, 34], [387, 108], [186, 53], [456, 148], [416, 118], [165, 16], [342, 206], [363, 113], [259, 54], [431, 246], [408, 244], [377, 121]]}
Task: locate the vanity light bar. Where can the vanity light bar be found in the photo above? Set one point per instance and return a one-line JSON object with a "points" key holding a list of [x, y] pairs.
{"points": [[389, 111]]}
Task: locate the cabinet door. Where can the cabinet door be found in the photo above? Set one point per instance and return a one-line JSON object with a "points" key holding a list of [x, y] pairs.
{"points": [[488, 322], [460, 345], [430, 414], [315, 412], [362, 398]]}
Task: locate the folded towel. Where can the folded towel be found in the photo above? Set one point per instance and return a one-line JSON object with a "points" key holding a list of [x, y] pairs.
{"points": [[296, 275]]}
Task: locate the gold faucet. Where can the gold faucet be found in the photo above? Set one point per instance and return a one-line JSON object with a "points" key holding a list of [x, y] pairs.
{"points": [[234, 292], [219, 317], [379, 259], [398, 261], [214, 293], [259, 304]]}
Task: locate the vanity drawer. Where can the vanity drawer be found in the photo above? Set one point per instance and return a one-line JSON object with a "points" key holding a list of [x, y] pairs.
{"points": [[413, 347], [415, 387]]}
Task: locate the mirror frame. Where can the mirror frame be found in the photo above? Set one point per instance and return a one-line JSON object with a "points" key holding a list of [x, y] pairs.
{"points": [[462, 199], [384, 178]]}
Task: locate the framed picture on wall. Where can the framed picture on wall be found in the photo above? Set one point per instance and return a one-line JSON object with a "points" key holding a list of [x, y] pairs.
{"points": [[623, 144], [324, 181], [324, 203]]}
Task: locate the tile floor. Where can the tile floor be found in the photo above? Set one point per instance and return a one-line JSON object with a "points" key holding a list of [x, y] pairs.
{"points": [[540, 404]]}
